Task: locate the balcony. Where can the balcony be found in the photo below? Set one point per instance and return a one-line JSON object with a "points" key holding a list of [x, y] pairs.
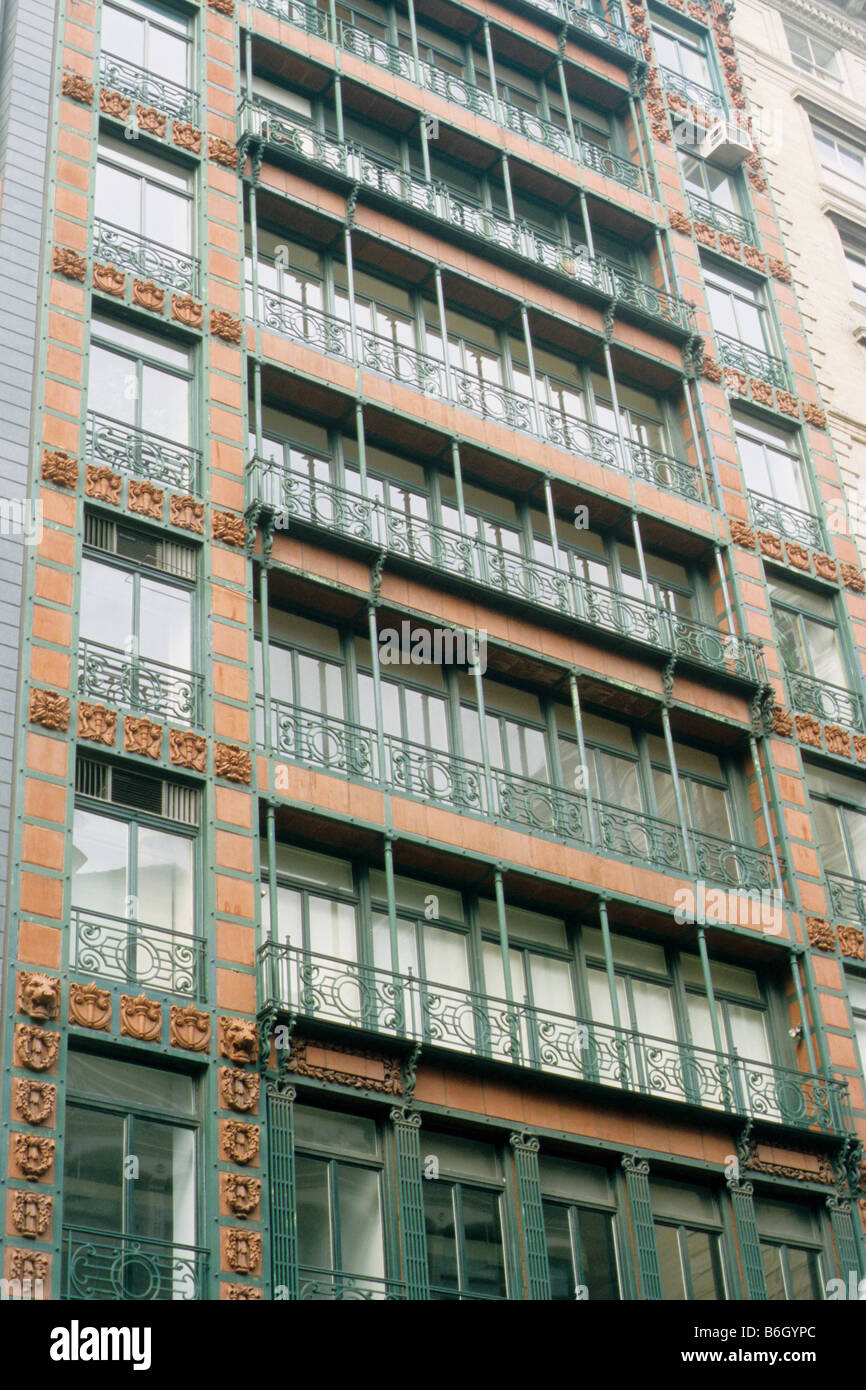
{"points": [[439, 777], [367, 999], [786, 521], [693, 93], [429, 376], [742, 357], [847, 898], [148, 88], [127, 250], [139, 684], [722, 220], [338, 1286], [125, 449], [833, 704], [137, 954], [330, 510], [104, 1265]]}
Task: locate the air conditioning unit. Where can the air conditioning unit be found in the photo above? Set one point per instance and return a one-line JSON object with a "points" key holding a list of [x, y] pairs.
{"points": [[726, 144]]}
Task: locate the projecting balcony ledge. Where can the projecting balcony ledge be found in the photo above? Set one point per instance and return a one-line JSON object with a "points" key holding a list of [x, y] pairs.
{"points": [[370, 526], [139, 684], [403, 1009], [124, 1268], [137, 955], [410, 372], [834, 705], [441, 779]]}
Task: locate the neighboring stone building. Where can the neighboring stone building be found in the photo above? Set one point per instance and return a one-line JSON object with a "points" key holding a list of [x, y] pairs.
{"points": [[805, 67], [343, 968]]}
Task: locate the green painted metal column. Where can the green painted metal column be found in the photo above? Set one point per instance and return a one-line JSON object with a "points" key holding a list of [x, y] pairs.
{"points": [[844, 1234], [637, 1183], [750, 1242], [525, 1148], [283, 1204], [410, 1202]]}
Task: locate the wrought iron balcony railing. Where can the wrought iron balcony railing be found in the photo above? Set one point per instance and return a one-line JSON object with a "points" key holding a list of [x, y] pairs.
{"points": [[336, 510], [609, 30], [104, 1265], [369, 999], [848, 898], [327, 744], [751, 360], [338, 1286], [300, 15], [139, 684], [721, 219], [148, 88], [125, 449], [694, 93], [137, 953], [790, 523], [127, 250], [430, 376], [826, 701]]}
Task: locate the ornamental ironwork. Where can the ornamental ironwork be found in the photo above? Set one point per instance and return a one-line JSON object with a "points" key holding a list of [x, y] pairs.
{"points": [[611, 166], [721, 219], [374, 50], [724, 861], [304, 324], [375, 1000], [120, 247], [848, 898], [401, 363], [138, 683], [306, 17], [100, 1265], [825, 701], [693, 92], [628, 834], [321, 741], [148, 88], [652, 300], [534, 127], [115, 445], [722, 651], [137, 953], [784, 520], [754, 362], [610, 31], [459, 91], [340, 1287]]}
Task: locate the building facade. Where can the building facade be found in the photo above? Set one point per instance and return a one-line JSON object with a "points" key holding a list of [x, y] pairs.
{"points": [[805, 70], [436, 803]]}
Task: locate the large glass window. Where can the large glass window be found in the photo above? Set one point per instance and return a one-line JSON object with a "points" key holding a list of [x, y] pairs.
{"points": [[145, 195], [338, 1176], [790, 1250], [855, 259], [718, 186], [682, 52], [579, 1231], [153, 38], [688, 1240], [737, 308], [708, 804], [857, 995], [771, 463], [843, 162], [839, 809], [812, 54], [130, 609], [807, 633], [130, 1182], [464, 1221], [740, 1010], [140, 381]]}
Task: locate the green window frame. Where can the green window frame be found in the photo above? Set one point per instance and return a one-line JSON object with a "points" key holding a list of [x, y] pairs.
{"points": [[690, 1260], [467, 1233], [792, 1271], [581, 1251], [808, 634], [165, 35]]}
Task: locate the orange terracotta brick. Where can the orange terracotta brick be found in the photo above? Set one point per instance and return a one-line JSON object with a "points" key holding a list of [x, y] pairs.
{"points": [[47, 755], [236, 991], [41, 895], [39, 945], [42, 847]]}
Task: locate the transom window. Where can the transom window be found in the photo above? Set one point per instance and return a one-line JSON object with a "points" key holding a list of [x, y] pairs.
{"points": [[812, 54]]}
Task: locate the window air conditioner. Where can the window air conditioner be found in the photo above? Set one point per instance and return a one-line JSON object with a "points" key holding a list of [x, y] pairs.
{"points": [[726, 144]]}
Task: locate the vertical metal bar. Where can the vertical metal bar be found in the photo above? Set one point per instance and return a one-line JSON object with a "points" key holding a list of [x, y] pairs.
{"points": [[530, 358], [551, 521], [283, 1204], [678, 794], [338, 107], [458, 484], [608, 964], [749, 1239], [410, 1203], [640, 1202], [482, 724], [392, 907], [377, 692], [566, 101], [443, 329], [413, 36], [509, 191], [801, 1003], [488, 48], [503, 934], [581, 748], [641, 559], [525, 1148]]}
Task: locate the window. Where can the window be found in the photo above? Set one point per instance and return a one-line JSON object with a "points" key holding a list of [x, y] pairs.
{"points": [[682, 52], [718, 186], [137, 598], [839, 808], [772, 464], [579, 1215], [736, 308], [855, 259], [541, 970], [790, 1250], [707, 801], [153, 38], [130, 1182], [338, 1177], [807, 634], [139, 401], [811, 54], [857, 995], [151, 198], [516, 738], [843, 162], [133, 880], [740, 1011], [306, 677], [464, 1221], [317, 907]]}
